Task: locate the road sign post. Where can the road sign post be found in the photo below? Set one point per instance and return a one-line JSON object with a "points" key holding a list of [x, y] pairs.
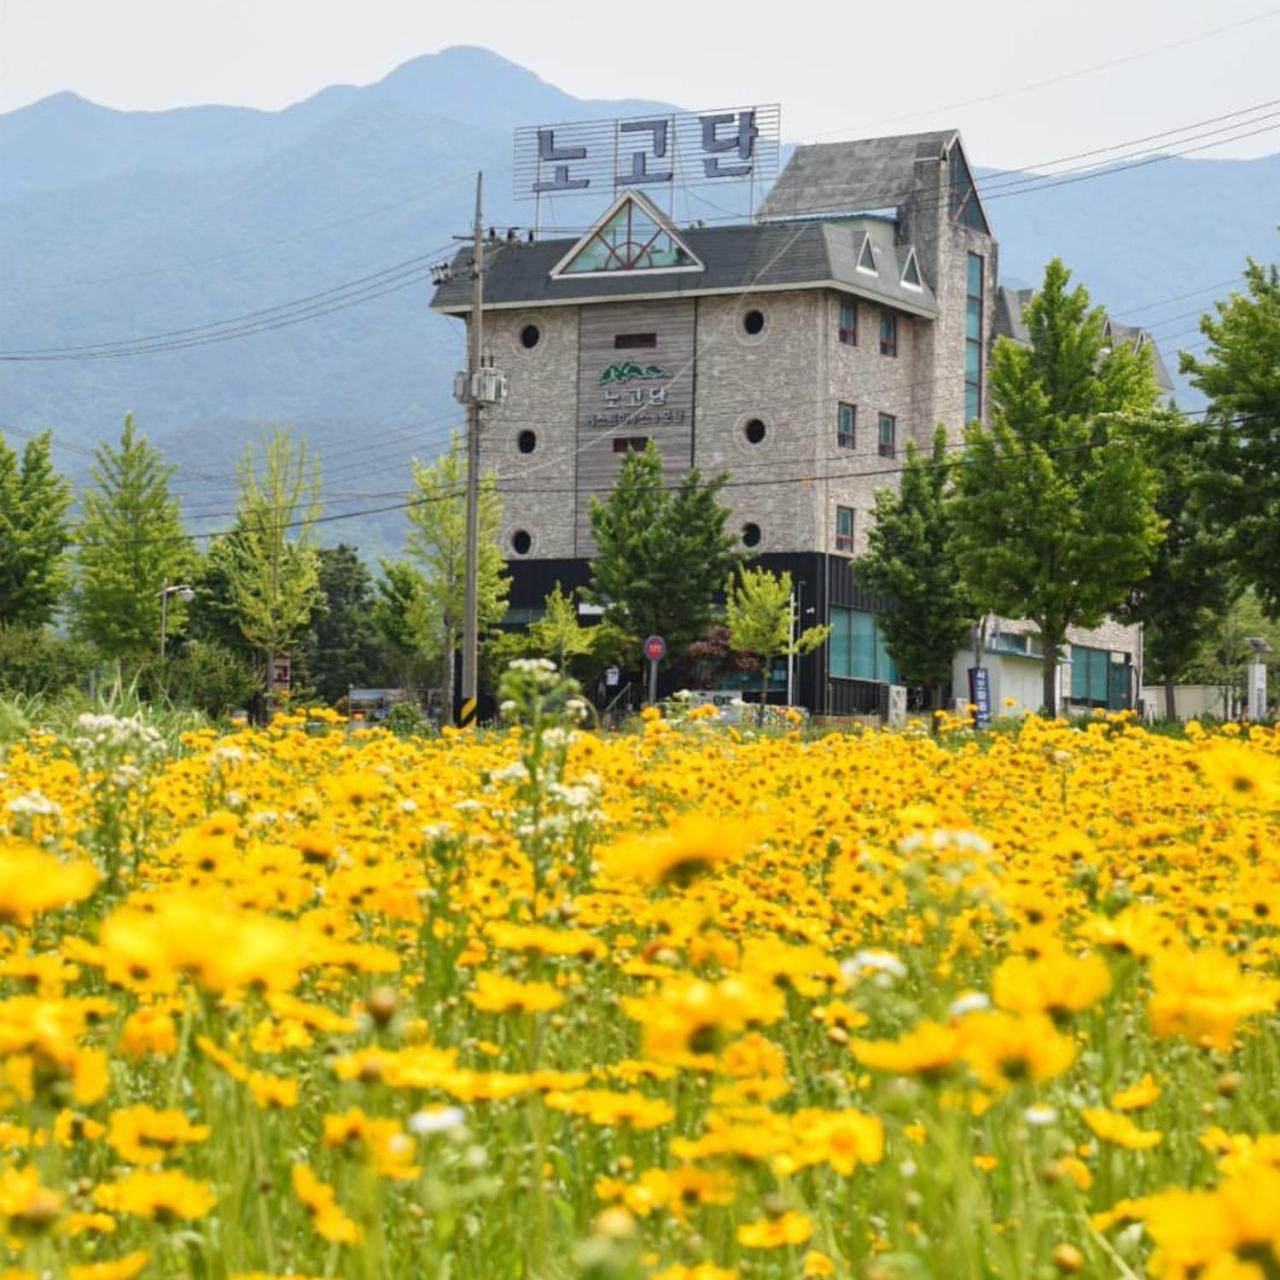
{"points": [[655, 649]]}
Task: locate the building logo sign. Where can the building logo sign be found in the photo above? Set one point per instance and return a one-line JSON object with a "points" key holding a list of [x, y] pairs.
{"points": [[685, 149], [629, 371]]}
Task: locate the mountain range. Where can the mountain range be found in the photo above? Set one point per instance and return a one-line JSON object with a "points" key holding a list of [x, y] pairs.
{"points": [[116, 225]]}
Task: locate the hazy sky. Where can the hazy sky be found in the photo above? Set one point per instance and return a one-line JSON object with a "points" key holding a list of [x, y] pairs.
{"points": [[839, 69]]}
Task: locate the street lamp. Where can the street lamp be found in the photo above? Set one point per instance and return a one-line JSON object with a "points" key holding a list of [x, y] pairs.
{"points": [[184, 593]]}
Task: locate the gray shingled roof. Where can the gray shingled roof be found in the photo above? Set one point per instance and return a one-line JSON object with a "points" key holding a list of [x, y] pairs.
{"points": [[1009, 323], [852, 177], [735, 258]]}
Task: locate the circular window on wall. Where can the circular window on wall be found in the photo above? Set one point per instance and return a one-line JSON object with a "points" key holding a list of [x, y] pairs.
{"points": [[754, 431], [521, 541], [530, 336], [750, 535], [527, 441], [753, 323]]}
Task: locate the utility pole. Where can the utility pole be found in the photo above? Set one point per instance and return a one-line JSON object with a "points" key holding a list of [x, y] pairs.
{"points": [[476, 388], [471, 607]]}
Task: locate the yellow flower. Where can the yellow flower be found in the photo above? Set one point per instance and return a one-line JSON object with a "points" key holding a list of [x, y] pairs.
{"points": [[930, 1051], [320, 1202], [1120, 1130], [1242, 775], [1203, 996], [143, 1135], [1003, 1049], [1057, 984], [124, 1268], [817, 1265], [1137, 1096], [775, 1233], [496, 993], [164, 1197], [32, 882], [691, 846], [27, 1207]]}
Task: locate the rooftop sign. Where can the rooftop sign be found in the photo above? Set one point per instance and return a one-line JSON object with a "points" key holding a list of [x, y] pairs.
{"points": [[590, 157]]}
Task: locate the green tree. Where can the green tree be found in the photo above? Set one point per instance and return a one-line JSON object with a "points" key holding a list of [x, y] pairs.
{"points": [[271, 564], [34, 500], [758, 610], [662, 554], [1190, 582], [438, 543], [911, 558], [558, 635], [1240, 373], [1055, 505], [1225, 651], [342, 648], [130, 546]]}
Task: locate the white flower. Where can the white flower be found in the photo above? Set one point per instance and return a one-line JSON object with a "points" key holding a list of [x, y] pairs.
{"points": [[436, 1120], [35, 803], [970, 1002], [1039, 1114], [873, 962]]}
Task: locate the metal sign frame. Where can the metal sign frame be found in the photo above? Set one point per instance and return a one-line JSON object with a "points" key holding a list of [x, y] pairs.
{"points": [[676, 149]]}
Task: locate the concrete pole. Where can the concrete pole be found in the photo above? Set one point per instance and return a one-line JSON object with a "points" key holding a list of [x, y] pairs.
{"points": [[470, 610]]}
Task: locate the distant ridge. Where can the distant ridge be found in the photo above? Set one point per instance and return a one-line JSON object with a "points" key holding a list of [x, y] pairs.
{"points": [[122, 223]]}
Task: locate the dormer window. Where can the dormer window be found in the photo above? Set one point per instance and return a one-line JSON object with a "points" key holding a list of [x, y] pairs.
{"points": [[867, 258], [633, 235], [911, 273]]}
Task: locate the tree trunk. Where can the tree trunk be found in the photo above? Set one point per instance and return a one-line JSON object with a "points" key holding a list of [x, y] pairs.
{"points": [[1170, 699], [1051, 679], [766, 664], [447, 695]]}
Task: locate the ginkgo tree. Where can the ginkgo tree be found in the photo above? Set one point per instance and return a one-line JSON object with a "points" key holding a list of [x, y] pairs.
{"points": [[758, 610], [437, 547]]}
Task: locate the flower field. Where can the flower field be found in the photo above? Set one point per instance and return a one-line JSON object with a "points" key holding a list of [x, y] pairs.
{"points": [[691, 1002]]}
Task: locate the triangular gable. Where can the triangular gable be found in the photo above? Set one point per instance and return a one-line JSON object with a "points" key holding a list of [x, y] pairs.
{"points": [[633, 235], [966, 203], [867, 257], [911, 272]]}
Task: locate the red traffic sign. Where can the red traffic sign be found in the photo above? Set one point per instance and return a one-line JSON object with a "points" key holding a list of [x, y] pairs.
{"points": [[655, 648]]}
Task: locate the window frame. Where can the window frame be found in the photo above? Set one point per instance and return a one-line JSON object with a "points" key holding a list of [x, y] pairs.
{"points": [[889, 345], [846, 439], [848, 334], [845, 542], [887, 448]]}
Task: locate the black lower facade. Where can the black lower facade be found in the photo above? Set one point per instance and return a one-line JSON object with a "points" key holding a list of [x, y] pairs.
{"points": [[845, 676]]}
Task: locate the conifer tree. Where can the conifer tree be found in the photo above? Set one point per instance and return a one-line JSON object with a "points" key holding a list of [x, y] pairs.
{"points": [[662, 554], [911, 558], [34, 500], [130, 547], [1055, 504]]}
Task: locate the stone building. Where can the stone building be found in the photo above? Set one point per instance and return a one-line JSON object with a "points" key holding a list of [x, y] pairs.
{"points": [[799, 352]]}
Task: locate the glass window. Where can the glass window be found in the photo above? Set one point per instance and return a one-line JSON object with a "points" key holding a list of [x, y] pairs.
{"points": [[846, 426], [888, 437], [634, 341], [849, 323], [973, 339], [1089, 675], [911, 273], [857, 648], [965, 208], [844, 528], [629, 241], [888, 334]]}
